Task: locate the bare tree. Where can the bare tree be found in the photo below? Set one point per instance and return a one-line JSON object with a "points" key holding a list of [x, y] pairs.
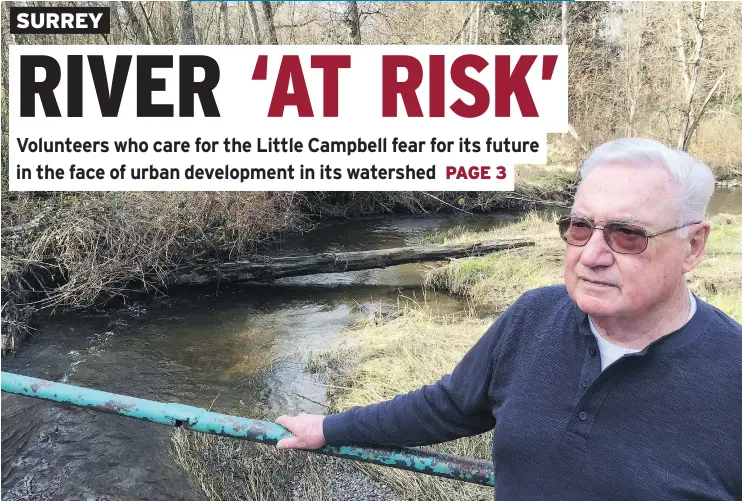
{"points": [[268, 13], [116, 34], [632, 62], [225, 23], [476, 22], [8, 39], [153, 33], [224, 15], [242, 20], [691, 111], [353, 20], [187, 30], [139, 32], [168, 28], [254, 25], [459, 37]]}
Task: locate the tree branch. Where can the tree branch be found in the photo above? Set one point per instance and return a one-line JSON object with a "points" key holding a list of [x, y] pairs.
{"points": [[466, 23]]}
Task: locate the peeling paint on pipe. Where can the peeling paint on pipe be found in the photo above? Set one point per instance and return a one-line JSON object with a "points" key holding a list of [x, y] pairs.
{"points": [[194, 418]]}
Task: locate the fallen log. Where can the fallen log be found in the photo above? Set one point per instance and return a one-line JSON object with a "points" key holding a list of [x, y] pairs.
{"points": [[264, 269]]}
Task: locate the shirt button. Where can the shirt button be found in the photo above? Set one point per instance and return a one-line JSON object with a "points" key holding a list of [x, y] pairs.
{"points": [[593, 351], [582, 415], [585, 383]]}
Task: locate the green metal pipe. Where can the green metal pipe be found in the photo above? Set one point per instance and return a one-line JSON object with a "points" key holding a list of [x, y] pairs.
{"points": [[194, 418]]}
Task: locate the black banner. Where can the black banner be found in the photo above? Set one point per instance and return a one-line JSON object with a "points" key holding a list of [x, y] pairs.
{"points": [[60, 20]]}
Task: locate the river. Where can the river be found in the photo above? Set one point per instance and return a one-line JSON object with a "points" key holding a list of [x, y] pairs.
{"points": [[236, 349]]}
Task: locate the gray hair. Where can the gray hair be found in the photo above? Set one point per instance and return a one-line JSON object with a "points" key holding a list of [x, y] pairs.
{"points": [[694, 179]]}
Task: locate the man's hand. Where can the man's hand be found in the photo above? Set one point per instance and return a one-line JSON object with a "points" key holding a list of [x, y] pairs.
{"points": [[307, 429]]}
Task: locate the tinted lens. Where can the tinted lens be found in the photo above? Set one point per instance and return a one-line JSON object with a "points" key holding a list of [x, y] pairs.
{"points": [[625, 238], [575, 231]]}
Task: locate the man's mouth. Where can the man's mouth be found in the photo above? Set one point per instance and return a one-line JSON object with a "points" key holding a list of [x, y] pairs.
{"points": [[597, 282]]}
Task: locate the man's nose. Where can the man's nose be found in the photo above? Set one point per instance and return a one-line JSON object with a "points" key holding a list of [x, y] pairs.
{"points": [[596, 252]]}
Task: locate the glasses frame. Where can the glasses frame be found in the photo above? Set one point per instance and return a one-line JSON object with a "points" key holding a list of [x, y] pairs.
{"points": [[633, 227]]}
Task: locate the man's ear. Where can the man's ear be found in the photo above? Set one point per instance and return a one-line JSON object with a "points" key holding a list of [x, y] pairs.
{"points": [[696, 245]]}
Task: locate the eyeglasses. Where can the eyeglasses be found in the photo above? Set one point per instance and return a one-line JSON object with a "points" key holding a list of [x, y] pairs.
{"points": [[621, 237]]}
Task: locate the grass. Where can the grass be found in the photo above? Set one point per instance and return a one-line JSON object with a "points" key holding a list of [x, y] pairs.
{"points": [[725, 236], [226, 469], [86, 246], [73, 250], [418, 347], [550, 178], [373, 365], [370, 365], [494, 281], [718, 279], [380, 359], [384, 355]]}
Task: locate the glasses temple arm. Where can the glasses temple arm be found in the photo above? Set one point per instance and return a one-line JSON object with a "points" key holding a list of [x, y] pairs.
{"points": [[672, 229]]}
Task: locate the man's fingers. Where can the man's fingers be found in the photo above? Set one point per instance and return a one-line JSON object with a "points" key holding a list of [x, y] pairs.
{"points": [[307, 429], [285, 421], [288, 443]]}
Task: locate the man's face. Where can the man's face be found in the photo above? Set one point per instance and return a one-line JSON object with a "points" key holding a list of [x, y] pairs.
{"points": [[605, 283]]}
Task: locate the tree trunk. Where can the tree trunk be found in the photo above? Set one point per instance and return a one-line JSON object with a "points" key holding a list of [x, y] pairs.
{"points": [[570, 128], [477, 22], [225, 23], [353, 20], [168, 27], [694, 123], [254, 25], [691, 70], [268, 13], [153, 34], [459, 37], [139, 32], [187, 30], [8, 39], [262, 269], [242, 15], [116, 35], [634, 59]]}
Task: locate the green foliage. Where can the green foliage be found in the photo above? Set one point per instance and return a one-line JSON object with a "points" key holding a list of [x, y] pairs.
{"points": [[520, 20], [519, 17]]}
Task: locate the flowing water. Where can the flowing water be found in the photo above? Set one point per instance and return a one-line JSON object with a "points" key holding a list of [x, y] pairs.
{"points": [[238, 349]]}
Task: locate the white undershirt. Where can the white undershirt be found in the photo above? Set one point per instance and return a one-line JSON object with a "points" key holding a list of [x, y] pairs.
{"points": [[610, 352]]}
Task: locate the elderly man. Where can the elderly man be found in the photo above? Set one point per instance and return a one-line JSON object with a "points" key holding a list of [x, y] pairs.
{"points": [[621, 385]]}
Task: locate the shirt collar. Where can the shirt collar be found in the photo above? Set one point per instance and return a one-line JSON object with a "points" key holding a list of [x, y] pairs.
{"points": [[698, 320], [693, 308]]}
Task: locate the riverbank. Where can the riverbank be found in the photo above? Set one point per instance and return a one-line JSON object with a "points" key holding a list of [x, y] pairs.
{"points": [[492, 282], [369, 365], [74, 250], [384, 355], [373, 364], [225, 469]]}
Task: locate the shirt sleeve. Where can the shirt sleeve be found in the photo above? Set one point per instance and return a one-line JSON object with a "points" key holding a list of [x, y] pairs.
{"points": [[457, 406]]}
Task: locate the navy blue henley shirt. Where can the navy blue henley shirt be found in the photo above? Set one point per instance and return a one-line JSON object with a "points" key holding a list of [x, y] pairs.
{"points": [[661, 424]]}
